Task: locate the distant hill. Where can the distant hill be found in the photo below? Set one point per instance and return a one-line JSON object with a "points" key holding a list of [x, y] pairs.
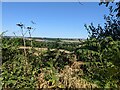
{"points": [[49, 39]]}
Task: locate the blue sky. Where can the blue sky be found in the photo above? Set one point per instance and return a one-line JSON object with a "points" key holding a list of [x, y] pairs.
{"points": [[55, 20]]}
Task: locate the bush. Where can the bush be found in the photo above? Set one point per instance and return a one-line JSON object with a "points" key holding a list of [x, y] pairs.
{"points": [[102, 61]]}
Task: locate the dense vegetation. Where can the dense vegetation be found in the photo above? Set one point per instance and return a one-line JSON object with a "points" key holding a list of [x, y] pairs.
{"points": [[101, 51], [48, 69], [94, 63]]}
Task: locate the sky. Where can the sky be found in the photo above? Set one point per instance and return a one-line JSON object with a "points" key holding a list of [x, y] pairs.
{"points": [[53, 19]]}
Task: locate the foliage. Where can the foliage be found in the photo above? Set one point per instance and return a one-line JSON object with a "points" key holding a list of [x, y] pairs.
{"points": [[14, 68], [16, 73], [100, 55], [56, 58], [102, 61], [47, 69], [111, 27], [69, 77], [101, 52]]}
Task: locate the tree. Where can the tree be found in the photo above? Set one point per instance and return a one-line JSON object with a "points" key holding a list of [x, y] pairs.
{"points": [[101, 51], [112, 25]]}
